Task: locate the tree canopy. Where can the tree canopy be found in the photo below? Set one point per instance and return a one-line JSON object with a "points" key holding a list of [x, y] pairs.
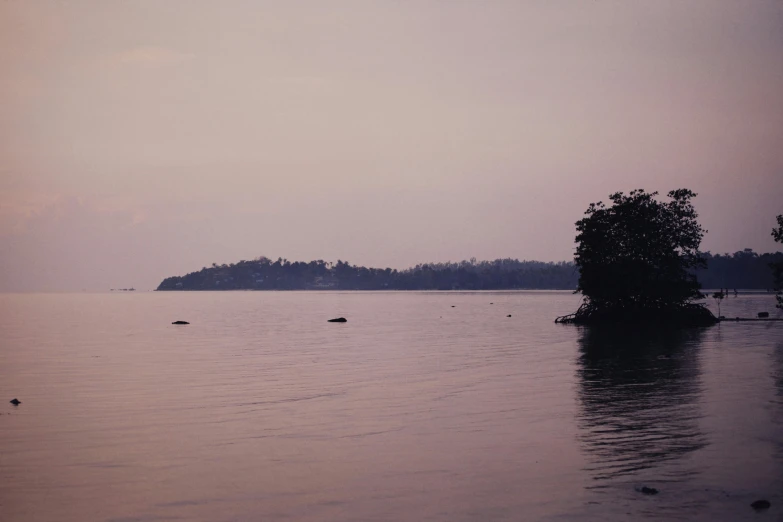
{"points": [[637, 258], [265, 274], [744, 269], [777, 266]]}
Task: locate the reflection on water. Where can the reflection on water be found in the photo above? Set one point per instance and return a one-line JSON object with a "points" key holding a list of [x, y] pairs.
{"points": [[777, 374], [638, 392], [777, 371], [413, 410]]}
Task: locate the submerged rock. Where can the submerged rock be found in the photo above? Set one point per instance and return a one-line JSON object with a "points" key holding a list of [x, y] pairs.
{"points": [[180, 322], [763, 314], [15, 402], [761, 504], [647, 491], [338, 320]]}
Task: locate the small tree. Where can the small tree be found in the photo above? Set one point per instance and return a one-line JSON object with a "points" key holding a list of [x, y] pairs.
{"points": [[718, 296], [777, 268], [637, 258]]}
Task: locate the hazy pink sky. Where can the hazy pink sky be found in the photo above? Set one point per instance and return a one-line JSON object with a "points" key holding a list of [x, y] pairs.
{"points": [[143, 139]]}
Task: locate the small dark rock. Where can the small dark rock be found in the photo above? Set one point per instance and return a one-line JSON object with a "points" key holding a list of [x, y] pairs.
{"points": [[453, 306], [760, 505], [338, 320], [15, 402], [647, 491], [180, 322], [509, 315], [763, 314]]}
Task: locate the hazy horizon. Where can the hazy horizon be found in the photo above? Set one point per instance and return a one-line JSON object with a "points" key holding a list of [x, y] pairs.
{"points": [[144, 140]]}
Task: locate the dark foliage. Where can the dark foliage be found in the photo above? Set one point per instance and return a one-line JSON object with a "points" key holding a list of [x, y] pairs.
{"points": [[637, 259], [264, 274], [777, 266], [744, 269]]}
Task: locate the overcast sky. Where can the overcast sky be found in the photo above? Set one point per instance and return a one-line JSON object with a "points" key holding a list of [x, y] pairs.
{"points": [[143, 139]]}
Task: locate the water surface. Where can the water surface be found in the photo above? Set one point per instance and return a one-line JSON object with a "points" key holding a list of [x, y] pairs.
{"points": [[424, 406]]}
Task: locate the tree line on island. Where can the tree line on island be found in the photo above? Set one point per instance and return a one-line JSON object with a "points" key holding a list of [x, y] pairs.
{"points": [[637, 259], [744, 269], [265, 274]]}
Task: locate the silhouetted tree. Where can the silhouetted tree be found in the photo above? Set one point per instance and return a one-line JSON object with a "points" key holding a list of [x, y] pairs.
{"points": [[718, 296], [637, 258], [777, 267]]}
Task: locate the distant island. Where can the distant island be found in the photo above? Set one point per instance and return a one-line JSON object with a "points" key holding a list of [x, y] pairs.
{"points": [[744, 269]]}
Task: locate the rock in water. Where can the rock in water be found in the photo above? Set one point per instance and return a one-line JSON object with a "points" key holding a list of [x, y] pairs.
{"points": [[760, 504], [180, 322], [647, 491], [338, 320], [509, 315], [15, 402], [763, 315]]}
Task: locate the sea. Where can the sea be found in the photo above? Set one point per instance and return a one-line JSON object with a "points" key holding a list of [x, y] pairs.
{"points": [[423, 406]]}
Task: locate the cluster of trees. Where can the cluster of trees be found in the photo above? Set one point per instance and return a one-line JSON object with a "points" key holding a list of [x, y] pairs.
{"points": [[636, 259], [744, 269], [265, 274], [639, 260]]}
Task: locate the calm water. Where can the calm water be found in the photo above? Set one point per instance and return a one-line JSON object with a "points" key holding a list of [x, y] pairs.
{"points": [[413, 410]]}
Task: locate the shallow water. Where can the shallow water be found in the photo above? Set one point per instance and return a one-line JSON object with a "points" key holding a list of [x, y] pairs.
{"points": [[412, 410]]}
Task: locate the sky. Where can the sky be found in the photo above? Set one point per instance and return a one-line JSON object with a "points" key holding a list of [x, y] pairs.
{"points": [[144, 139]]}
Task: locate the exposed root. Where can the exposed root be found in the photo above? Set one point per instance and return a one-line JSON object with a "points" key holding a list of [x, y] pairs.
{"points": [[685, 315]]}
